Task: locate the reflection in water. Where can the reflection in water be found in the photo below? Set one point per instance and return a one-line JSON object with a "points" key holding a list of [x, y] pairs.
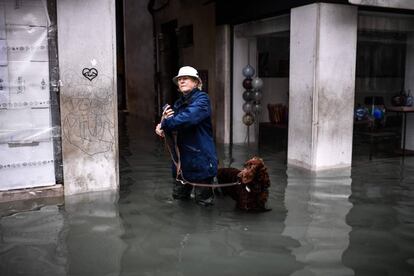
{"points": [[382, 220], [82, 238], [31, 243], [317, 204], [92, 234]]}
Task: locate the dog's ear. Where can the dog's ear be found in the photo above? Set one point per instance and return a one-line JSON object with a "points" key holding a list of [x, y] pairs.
{"points": [[264, 177]]}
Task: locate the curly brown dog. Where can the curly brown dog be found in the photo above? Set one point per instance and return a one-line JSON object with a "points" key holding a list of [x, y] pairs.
{"points": [[252, 193]]}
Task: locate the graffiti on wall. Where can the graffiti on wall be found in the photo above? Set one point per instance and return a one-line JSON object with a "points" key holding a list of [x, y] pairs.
{"points": [[90, 73], [87, 108]]}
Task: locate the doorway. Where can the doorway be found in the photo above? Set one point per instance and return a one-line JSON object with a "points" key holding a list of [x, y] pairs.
{"points": [[264, 46]]}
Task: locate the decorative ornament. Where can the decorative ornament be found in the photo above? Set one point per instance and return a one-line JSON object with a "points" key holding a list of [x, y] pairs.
{"points": [[247, 95], [257, 83], [247, 84], [257, 108], [361, 113], [257, 95], [378, 113], [248, 119], [248, 71], [247, 107]]}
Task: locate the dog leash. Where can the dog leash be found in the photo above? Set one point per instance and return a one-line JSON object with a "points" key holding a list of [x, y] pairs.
{"points": [[179, 172]]}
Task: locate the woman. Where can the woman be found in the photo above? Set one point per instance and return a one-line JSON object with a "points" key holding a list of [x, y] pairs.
{"points": [[190, 120]]}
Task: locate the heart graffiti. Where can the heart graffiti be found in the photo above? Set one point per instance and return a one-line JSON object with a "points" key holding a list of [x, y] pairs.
{"points": [[90, 73]]}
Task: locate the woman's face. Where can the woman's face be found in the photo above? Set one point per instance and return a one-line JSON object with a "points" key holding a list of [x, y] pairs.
{"points": [[186, 84]]}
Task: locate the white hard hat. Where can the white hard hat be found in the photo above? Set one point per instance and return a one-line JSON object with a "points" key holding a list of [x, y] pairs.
{"points": [[188, 71]]}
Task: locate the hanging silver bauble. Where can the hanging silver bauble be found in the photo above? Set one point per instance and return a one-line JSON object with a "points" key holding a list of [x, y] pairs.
{"points": [[247, 95], [257, 95], [247, 107], [257, 83], [248, 119], [248, 71], [257, 108]]}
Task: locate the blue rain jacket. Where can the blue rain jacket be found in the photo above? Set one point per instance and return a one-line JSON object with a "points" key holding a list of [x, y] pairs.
{"points": [[192, 121]]}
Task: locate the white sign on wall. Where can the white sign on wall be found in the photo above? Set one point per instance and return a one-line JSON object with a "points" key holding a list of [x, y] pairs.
{"points": [[397, 4]]}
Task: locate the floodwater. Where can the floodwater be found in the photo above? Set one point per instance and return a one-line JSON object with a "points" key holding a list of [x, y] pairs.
{"points": [[342, 222]]}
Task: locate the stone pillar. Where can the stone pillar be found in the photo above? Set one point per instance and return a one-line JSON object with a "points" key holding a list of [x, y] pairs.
{"points": [[87, 60], [321, 86], [223, 60], [409, 84]]}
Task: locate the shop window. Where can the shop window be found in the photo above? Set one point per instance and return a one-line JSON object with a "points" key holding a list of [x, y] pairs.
{"points": [[381, 54]]}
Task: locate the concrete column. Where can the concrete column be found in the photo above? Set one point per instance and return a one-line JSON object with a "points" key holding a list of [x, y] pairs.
{"points": [[321, 86], [86, 32], [223, 59], [409, 84]]}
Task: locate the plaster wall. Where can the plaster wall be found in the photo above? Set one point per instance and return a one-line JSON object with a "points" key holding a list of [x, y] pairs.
{"points": [[88, 95], [322, 84], [409, 84]]}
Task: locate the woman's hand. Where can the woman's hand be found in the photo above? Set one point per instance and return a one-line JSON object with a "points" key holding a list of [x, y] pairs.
{"points": [[159, 131], [168, 112]]}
